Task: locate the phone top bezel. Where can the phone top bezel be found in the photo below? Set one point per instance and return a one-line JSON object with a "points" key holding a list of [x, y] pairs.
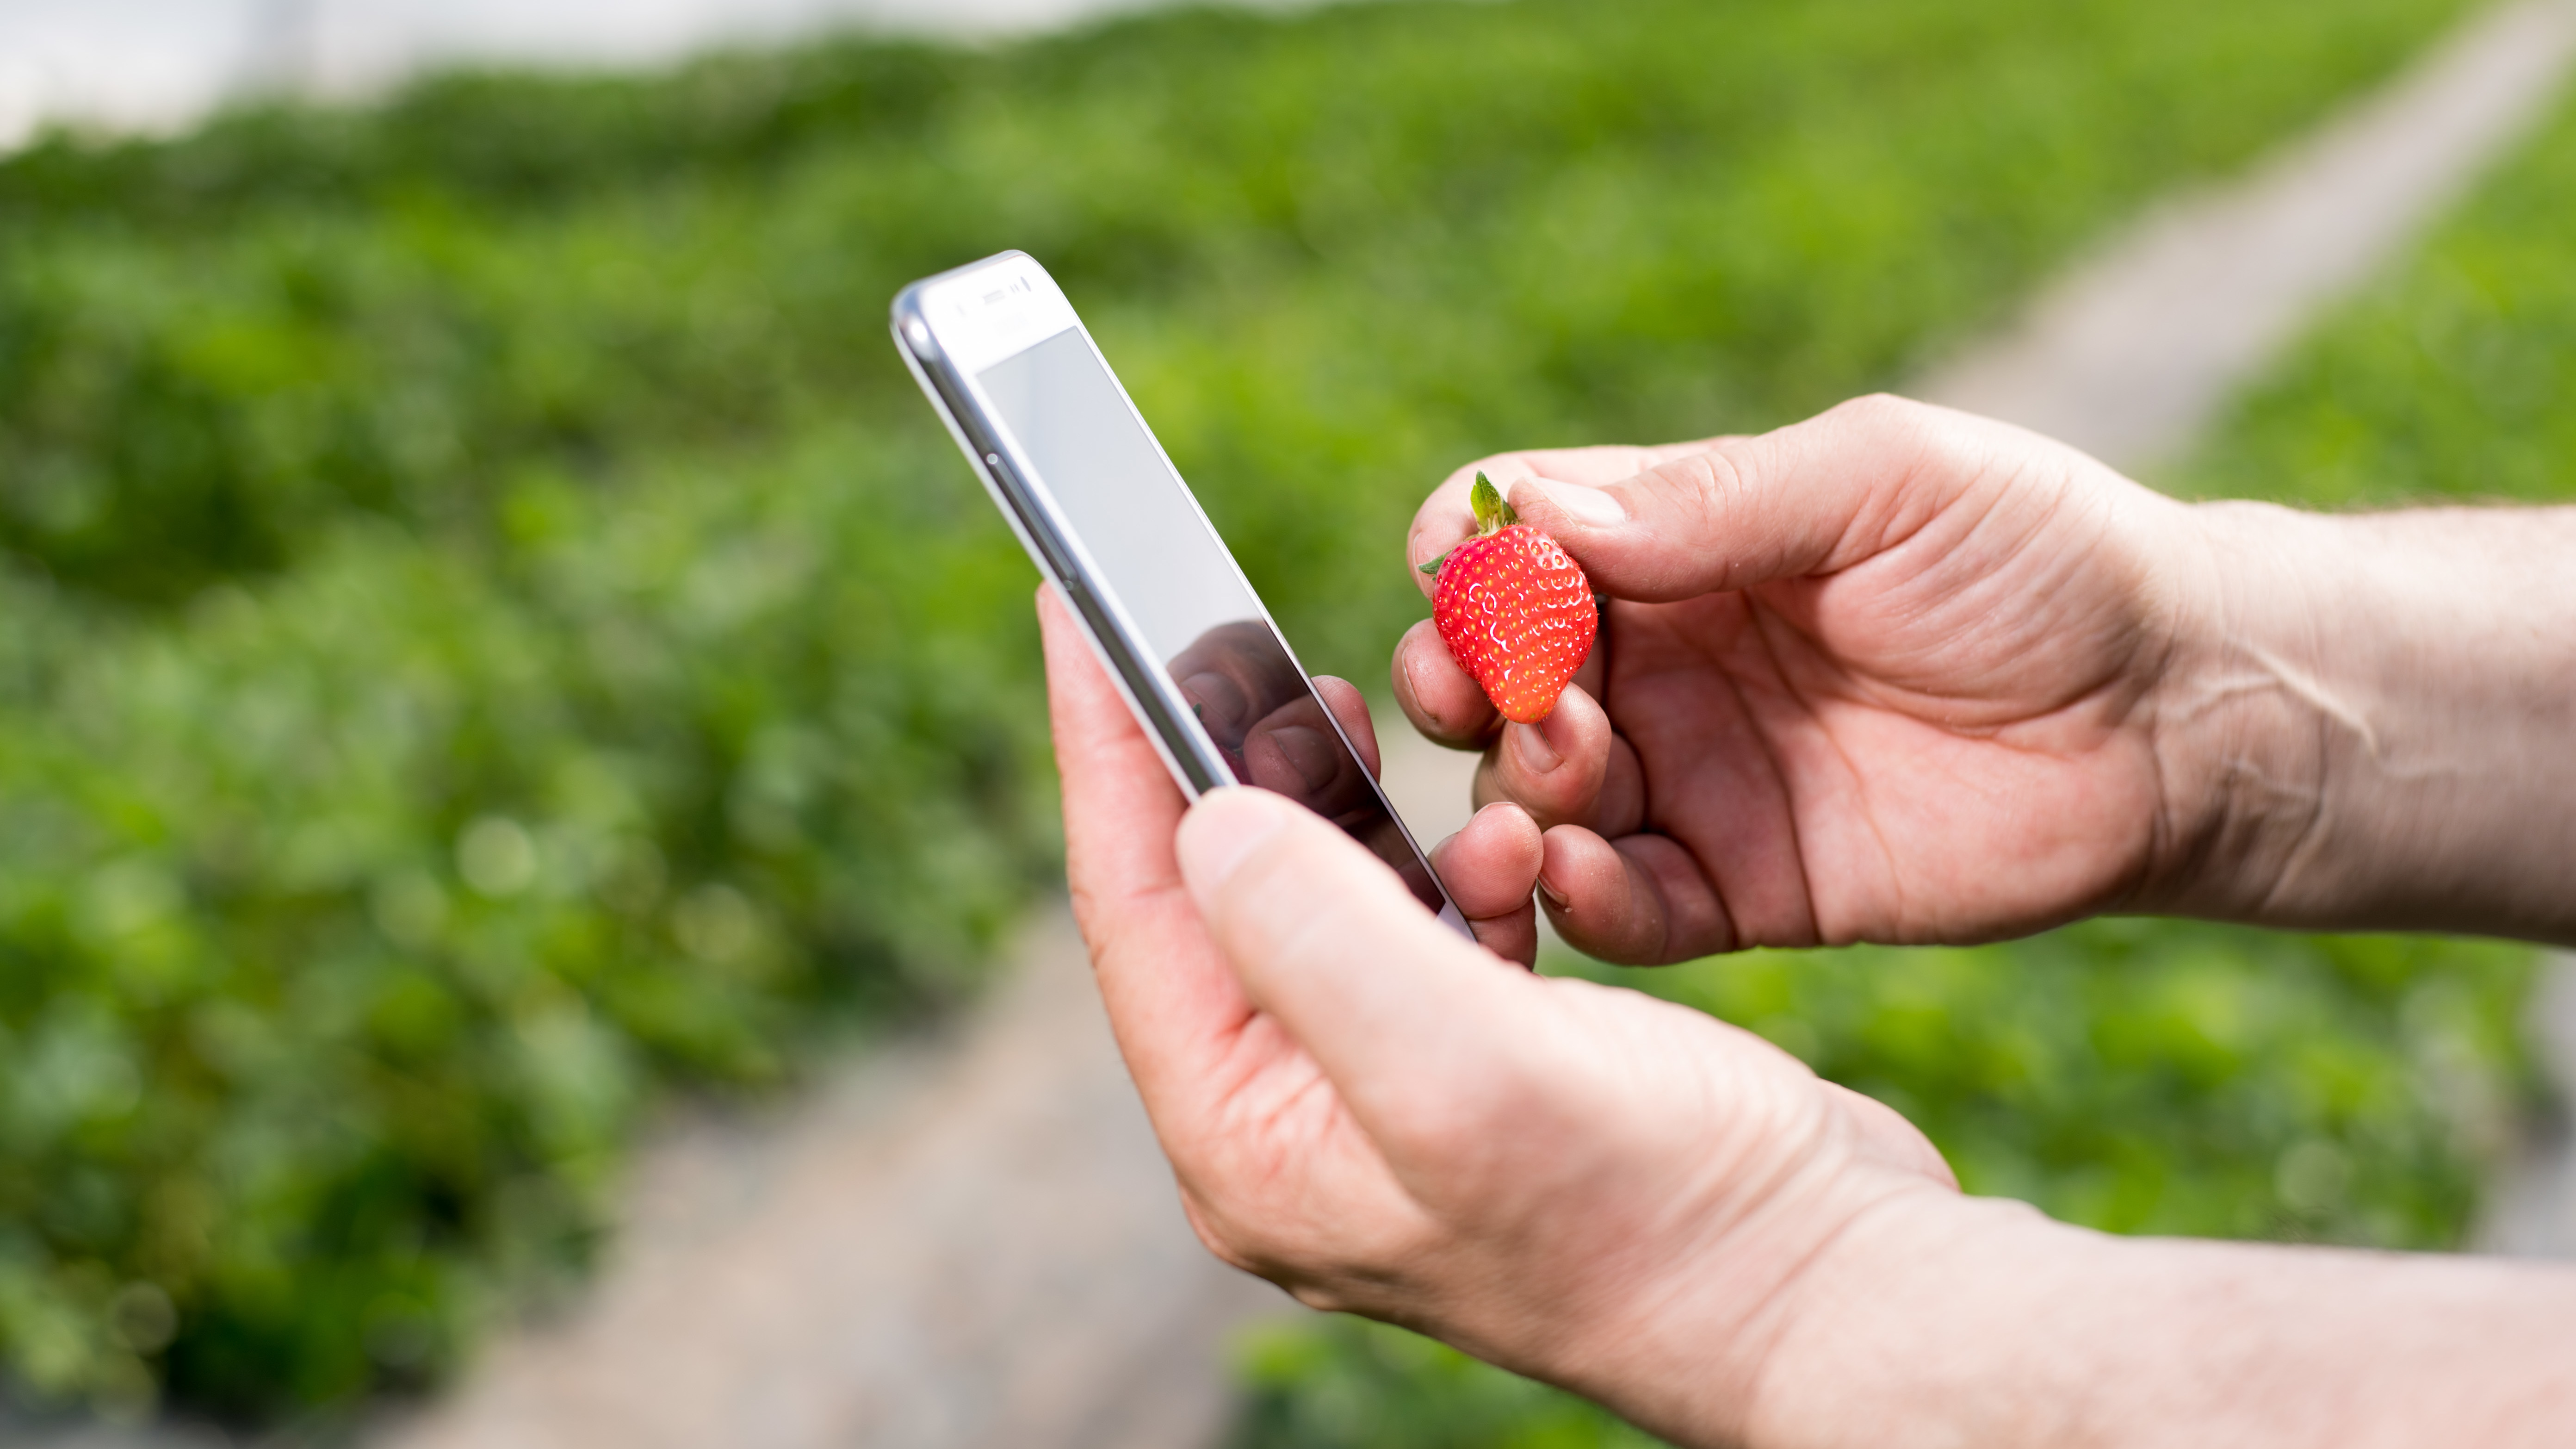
{"points": [[952, 326]]}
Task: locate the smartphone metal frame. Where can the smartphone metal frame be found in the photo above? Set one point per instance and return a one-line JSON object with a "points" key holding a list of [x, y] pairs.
{"points": [[951, 327]]}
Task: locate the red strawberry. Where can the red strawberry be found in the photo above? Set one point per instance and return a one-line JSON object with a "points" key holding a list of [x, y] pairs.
{"points": [[1514, 610]]}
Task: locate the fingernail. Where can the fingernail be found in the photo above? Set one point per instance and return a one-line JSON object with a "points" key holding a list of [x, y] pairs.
{"points": [[1589, 506], [1413, 685], [1554, 896], [1531, 748], [1224, 827]]}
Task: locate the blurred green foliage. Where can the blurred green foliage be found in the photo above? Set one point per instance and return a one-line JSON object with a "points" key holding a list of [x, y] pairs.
{"points": [[348, 919], [2171, 1077], [1331, 254], [1348, 1383], [2455, 378], [497, 635], [2156, 1077]]}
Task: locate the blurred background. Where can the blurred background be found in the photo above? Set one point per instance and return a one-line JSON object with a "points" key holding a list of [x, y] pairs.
{"points": [[497, 653]]}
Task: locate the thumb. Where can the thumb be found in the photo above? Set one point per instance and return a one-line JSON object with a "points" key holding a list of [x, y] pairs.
{"points": [[1400, 1012], [1811, 498]]}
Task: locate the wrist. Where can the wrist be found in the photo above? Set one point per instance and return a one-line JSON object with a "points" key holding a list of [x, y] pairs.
{"points": [[2365, 722], [2239, 712], [1988, 1324], [1893, 1335], [1738, 1344]]}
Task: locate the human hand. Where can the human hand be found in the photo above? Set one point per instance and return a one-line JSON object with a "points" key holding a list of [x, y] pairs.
{"points": [[1889, 674], [1609, 1192]]}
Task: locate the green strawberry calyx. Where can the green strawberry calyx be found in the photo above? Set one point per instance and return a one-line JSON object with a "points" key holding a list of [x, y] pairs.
{"points": [[1494, 513]]}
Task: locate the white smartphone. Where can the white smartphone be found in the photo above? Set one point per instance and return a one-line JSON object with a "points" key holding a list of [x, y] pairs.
{"points": [[1103, 512]]}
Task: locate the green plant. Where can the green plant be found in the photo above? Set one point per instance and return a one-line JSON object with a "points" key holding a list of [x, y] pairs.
{"points": [[350, 919], [1354, 1384], [2450, 380]]}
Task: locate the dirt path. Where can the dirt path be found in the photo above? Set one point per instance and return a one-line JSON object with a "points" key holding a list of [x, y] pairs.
{"points": [[2130, 354], [970, 1242], [2532, 1211]]}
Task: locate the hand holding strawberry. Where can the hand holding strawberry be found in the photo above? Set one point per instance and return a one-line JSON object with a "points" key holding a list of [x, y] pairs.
{"points": [[1514, 609]]}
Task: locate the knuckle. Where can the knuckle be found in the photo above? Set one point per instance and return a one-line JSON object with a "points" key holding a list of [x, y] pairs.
{"points": [[1920, 444], [1885, 411], [1709, 489], [1218, 1233], [1321, 1252], [1935, 433]]}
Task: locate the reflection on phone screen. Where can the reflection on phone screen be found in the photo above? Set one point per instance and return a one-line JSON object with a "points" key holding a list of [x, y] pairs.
{"points": [[1274, 732], [1173, 580]]}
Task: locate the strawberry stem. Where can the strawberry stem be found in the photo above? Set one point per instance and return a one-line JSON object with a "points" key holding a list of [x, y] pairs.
{"points": [[1494, 513]]}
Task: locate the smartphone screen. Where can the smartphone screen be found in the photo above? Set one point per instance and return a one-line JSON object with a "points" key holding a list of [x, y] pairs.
{"points": [[1156, 556]]}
